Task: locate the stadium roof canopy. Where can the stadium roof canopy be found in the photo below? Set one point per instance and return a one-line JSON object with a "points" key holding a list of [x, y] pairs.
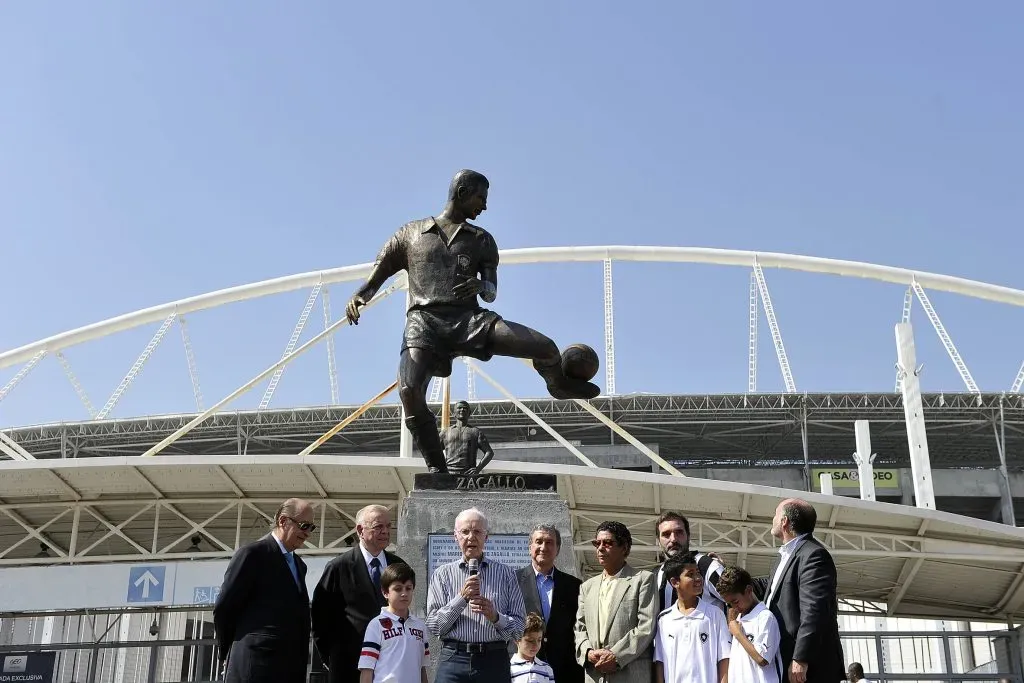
{"points": [[902, 560]]}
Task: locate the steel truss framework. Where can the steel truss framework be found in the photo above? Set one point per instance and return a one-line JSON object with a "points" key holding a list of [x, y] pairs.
{"points": [[742, 430], [888, 556], [31, 354]]}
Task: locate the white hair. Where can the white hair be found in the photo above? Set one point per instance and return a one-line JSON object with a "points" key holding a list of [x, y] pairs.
{"points": [[368, 510], [471, 513]]}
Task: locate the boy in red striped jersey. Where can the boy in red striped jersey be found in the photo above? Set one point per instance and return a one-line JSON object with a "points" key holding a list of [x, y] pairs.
{"points": [[395, 647]]}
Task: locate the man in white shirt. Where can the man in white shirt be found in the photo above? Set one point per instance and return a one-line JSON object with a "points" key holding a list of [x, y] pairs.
{"points": [[801, 593], [349, 596], [855, 673]]}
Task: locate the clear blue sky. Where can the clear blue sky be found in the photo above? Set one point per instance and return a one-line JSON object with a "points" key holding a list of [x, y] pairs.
{"points": [[153, 151]]}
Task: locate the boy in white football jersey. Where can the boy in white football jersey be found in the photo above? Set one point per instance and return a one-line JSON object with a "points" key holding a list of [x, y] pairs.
{"points": [[395, 647], [754, 657], [692, 640]]}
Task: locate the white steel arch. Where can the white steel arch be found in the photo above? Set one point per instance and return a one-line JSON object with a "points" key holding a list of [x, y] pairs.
{"points": [[725, 257]]}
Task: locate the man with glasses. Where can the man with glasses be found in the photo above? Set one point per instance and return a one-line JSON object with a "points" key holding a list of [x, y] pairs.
{"points": [[262, 613], [617, 613], [475, 608], [349, 596]]}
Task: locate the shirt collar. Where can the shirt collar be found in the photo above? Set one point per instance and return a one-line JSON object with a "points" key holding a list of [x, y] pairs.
{"points": [[280, 544], [549, 575], [749, 616], [697, 613], [483, 561], [518, 659], [431, 223], [385, 612], [790, 546], [367, 556]]}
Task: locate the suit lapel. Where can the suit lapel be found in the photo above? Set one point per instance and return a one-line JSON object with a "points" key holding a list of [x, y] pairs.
{"points": [[282, 564], [531, 595], [785, 570], [361, 573], [618, 590]]}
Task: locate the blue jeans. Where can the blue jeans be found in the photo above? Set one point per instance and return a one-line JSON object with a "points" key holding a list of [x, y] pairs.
{"points": [[463, 667]]}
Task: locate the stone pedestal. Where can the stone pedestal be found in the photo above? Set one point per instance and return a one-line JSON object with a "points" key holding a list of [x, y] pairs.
{"points": [[512, 503]]}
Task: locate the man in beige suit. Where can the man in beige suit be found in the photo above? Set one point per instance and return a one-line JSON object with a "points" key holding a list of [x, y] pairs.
{"points": [[617, 613]]}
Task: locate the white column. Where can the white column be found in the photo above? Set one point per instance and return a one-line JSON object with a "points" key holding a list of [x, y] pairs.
{"points": [[405, 436], [825, 478], [917, 439], [864, 459]]}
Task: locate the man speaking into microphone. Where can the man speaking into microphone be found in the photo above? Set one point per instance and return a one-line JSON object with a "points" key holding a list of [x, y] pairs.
{"points": [[475, 608]]}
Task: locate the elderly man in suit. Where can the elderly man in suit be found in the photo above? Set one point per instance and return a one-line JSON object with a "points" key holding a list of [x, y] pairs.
{"points": [[349, 596], [617, 613], [554, 595], [261, 616], [801, 593]]}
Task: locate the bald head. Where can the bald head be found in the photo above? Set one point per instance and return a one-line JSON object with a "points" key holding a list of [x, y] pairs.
{"points": [[793, 517]]}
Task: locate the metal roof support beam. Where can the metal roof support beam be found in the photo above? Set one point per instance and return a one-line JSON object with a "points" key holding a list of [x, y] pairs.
{"points": [[609, 330], [352, 417], [908, 302], [773, 327], [290, 346], [76, 385], [136, 368], [13, 448], [1015, 388], [864, 459], [1007, 515], [20, 375], [180, 432], [752, 341], [190, 359], [944, 337], [473, 367], [913, 409], [332, 366]]}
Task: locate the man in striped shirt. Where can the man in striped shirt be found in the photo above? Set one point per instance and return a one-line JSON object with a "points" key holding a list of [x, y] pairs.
{"points": [[475, 608]]}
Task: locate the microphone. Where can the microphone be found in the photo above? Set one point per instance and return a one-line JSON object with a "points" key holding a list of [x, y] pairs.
{"points": [[474, 566]]}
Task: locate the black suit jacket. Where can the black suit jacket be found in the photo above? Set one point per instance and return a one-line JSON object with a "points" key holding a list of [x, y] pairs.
{"points": [[344, 602], [806, 607], [559, 649], [261, 616]]}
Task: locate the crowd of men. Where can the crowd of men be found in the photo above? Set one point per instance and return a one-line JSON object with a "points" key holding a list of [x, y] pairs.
{"points": [[624, 625]]}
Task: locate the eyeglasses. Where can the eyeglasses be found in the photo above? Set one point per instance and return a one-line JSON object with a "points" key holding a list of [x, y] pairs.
{"points": [[602, 543], [308, 527]]}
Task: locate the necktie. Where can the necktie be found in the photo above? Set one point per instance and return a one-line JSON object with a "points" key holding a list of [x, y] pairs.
{"points": [[542, 588], [290, 559], [375, 573]]}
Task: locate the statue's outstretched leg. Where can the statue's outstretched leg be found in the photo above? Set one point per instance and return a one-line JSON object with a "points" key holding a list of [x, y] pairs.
{"points": [[414, 373], [519, 341]]}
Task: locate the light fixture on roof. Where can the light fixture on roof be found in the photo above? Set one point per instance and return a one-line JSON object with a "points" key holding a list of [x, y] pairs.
{"points": [[44, 551], [194, 548]]}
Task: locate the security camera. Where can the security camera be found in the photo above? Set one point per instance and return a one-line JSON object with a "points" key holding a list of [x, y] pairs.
{"points": [[154, 629]]}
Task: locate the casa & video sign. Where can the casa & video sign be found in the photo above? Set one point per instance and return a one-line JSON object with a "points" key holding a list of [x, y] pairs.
{"points": [[849, 478]]}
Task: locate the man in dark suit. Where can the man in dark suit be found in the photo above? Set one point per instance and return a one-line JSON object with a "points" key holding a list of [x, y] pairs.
{"points": [[261, 616], [554, 595], [800, 591], [349, 596]]}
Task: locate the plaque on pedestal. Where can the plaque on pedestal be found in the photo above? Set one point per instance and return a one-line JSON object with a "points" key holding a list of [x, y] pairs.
{"points": [[496, 482]]}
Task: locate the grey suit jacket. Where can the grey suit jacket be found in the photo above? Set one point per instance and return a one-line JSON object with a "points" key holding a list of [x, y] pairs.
{"points": [[630, 630]]}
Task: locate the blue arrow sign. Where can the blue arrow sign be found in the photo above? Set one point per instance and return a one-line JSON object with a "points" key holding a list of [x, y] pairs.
{"points": [[146, 584]]}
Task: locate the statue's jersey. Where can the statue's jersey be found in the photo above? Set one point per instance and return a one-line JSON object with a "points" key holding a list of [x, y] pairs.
{"points": [[461, 445], [435, 266]]}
